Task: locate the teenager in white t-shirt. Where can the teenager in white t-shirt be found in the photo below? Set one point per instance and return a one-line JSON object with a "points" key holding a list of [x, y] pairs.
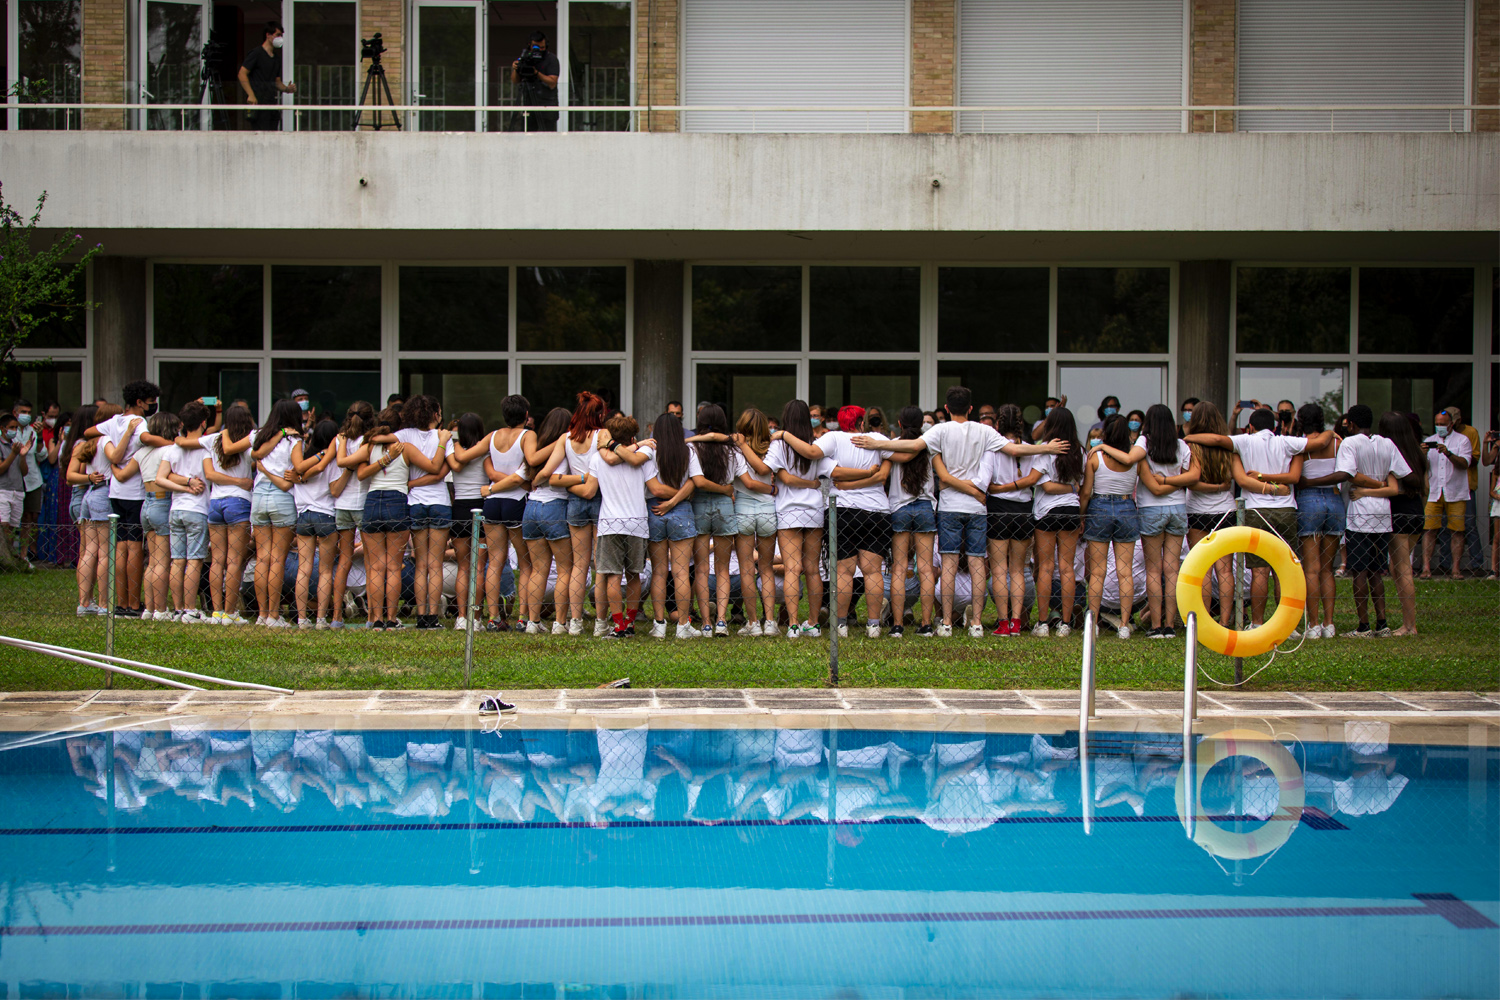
{"points": [[319, 483], [273, 512], [180, 473], [911, 492], [755, 512], [799, 519], [1009, 525], [123, 435], [623, 527], [155, 509], [349, 506], [230, 472], [428, 504]]}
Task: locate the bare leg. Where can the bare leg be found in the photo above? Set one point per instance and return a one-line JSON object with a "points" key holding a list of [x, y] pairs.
{"points": [[1151, 548], [812, 543], [192, 573], [262, 534], [1328, 558], [926, 573], [744, 547], [870, 566], [1406, 587], [1046, 553], [281, 544], [327, 553], [900, 547], [419, 542], [341, 572], [949, 581], [791, 584], [680, 554], [1096, 561], [1456, 547], [766, 567], [583, 550], [562, 554], [88, 544], [495, 540], [1260, 580], [306, 546], [999, 572], [1171, 562], [1429, 542], [1125, 576], [977, 569], [395, 558], [700, 578], [1312, 571], [1067, 545], [375, 575], [234, 567]]}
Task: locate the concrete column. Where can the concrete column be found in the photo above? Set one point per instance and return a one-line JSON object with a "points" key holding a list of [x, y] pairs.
{"points": [[119, 324], [1203, 331], [658, 337]]}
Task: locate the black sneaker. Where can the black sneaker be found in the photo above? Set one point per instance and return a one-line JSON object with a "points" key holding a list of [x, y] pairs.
{"points": [[127, 612], [1168, 633], [896, 632], [925, 631], [1156, 633], [494, 704], [1362, 631], [618, 633], [494, 626]]}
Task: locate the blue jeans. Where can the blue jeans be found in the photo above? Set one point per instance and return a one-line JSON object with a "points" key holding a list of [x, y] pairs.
{"points": [[677, 525], [1320, 511], [189, 534], [154, 514], [1112, 519], [916, 516], [426, 516], [545, 520], [962, 533], [1168, 519], [316, 524], [713, 514], [272, 507], [583, 513], [385, 513]]}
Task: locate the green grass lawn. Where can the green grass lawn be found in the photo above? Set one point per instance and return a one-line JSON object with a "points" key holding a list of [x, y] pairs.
{"points": [[1456, 650]]}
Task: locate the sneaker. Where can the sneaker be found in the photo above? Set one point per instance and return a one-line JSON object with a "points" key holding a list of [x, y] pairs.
{"points": [[658, 630], [925, 632], [395, 625], [1123, 632], [528, 628], [751, 629], [1382, 631], [1062, 630], [943, 630], [461, 625], [1002, 627], [233, 618], [84, 610], [192, 616], [1041, 630], [157, 616], [321, 625], [575, 626], [129, 612], [304, 624], [686, 631], [1156, 633], [721, 630], [260, 620], [976, 631], [601, 626], [843, 630], [278, 622], [896, 632], [1329, 632], [1168, 633], [769, 627], [811, 632], [558, 628], [337, 623], [1362, 631], [615, 633], [872, 631]]}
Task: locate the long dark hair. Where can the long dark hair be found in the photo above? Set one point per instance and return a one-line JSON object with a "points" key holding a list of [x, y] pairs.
{"points": [[238, 425], [916, 474], [1160, 428], [82, 421], [796, 419], [1116, 432], [1217, 464], [1010, 422], [387, 421], [714, 456], [323, 434], [1397, 427], [1060, 424], [358, 417], [552, 427], [285, 416], [671, 450], [469, 428]]}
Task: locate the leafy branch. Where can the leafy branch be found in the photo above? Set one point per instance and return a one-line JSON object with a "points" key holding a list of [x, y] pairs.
{"points": [[38, 282]]}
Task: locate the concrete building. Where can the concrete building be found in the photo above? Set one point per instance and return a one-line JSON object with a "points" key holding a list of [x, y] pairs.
{"points": [[1156, 199]]}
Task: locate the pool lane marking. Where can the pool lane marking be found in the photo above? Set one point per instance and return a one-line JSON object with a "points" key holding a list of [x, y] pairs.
{"points": [[1314, 818], [1440, 904]]}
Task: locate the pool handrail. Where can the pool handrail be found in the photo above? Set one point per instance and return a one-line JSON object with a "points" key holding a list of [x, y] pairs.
{"points": [[94, 659], [1189, 716], [1086, 681]]}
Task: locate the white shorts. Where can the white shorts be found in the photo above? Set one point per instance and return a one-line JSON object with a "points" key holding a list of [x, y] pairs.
{"points": [[11, 503]]}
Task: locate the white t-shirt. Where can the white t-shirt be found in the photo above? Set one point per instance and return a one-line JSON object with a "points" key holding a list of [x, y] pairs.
{"points": [[1048, 502], [279, 460], [837, 446], [895, 487], [1265, 452], [744, 497], [113, 430], [652, 471], [471, 478], [797, 507], [187, 463], [426, 443], [312, 494], [353, 497], [1376, 457], [147, 459], [1444, 479], [1144, 497], [963, 447], [1002, 468], [239, 467], [622, 496]]}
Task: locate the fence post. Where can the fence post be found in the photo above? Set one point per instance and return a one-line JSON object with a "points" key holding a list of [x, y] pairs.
{"points": [[1239, 593], [109, 602], [826, 486], [470, 610]]}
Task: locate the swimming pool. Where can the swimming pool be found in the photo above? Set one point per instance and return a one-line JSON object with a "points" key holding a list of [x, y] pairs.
{"points": [[637, 862]]}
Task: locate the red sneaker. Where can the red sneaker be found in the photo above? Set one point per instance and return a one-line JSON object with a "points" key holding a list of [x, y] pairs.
{"points": [[1002, 627]]}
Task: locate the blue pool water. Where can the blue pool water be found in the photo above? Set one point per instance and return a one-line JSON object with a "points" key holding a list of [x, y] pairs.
{"points": [[650, 863]]}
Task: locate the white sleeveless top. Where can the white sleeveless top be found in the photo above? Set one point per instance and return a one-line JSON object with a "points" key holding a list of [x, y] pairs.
{"points": [[392, 477], [1109, 482], [1316, 468], [239, 467], [469, 479], [507, 462], [579, 462], [353, 497], [550, 494]]}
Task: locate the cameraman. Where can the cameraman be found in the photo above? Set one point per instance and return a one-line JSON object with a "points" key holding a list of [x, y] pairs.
{"points": [[260, 77], [538, 86]]}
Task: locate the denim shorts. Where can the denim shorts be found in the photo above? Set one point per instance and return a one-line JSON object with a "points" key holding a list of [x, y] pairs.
{"points": [[154, 514], [677, 525], [75, 505], [713, 514], [228, 510], [961, 533], [430, 516], [347, 520], [1112, 519], [583, 513], [1320, 511], [386, 513], [272, 507], [916, 516], [96, 504], [545, 520], [759, 522], [508, 511], [189, 534], [1170, 519], [315, 524]]}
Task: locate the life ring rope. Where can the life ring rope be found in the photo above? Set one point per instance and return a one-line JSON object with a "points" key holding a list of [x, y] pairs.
{"points": [[1284, 563]]}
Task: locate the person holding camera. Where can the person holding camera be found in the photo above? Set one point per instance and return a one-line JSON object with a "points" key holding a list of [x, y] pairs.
{"points": [[536, 72], [260, 78]]}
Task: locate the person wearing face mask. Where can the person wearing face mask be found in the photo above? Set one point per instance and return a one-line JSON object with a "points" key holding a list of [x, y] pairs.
{"points": [[1108, 407], [1047, 408], [309, 412], [26, 434], [818, 427], [1186, 415], [260, 78], [1134, 420], [49, 547], [1286, 413], [14, 462], [1449, 456]]}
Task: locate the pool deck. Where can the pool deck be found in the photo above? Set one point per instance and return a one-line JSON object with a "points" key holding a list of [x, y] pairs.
{"points": [[1453, 717]]}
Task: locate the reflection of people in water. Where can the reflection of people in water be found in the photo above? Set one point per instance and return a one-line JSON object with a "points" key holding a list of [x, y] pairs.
{"points": [[1356, 779]]}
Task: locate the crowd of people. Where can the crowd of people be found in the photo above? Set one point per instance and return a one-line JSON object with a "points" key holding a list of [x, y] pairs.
{"points": [[585, 516]]}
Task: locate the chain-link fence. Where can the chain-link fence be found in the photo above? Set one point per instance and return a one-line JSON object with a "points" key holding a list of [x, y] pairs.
{"points": [[684, 598]]}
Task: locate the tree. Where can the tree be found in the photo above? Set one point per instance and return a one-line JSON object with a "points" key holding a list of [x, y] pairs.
{"points": [[37, 282]]}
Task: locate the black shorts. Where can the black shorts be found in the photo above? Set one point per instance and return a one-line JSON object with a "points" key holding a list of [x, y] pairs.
{"points": [[129, 528], [463, 516], [863, 531], [1368, 553], [1060, 519], [1408, 515], [504, 510], [1008, 520], [1212, 522]]}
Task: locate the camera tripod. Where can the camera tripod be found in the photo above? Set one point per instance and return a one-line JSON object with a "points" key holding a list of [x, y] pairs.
{"points": [[377, 71]]}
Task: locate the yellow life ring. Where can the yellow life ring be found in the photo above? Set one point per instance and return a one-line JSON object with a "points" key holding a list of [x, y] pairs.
{"points": [[1283, 766], [1227, 541]]}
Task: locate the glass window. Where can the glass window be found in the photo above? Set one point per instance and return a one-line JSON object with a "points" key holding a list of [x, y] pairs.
{"points": [[546, 386], [59, 382], [737, 387], [599, 65], [570, 309], [208, 307], [889, 385], [1417, 387], [747, 308], [447, 71], [332, 385], [1113, 310], [326, 39], [997, 383], [325, 308], [1292, 310], [462, 387], [1313, 384], [1087, 386], [454, 309], [992, 309], [865, 308], [174, 63], [1416, 310], [510, 26], [50, 46], [63, 329], [184, 381]]}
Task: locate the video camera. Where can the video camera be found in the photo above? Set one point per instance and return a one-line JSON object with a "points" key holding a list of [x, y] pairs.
{"points": [[529, 63], [371, 48]]}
